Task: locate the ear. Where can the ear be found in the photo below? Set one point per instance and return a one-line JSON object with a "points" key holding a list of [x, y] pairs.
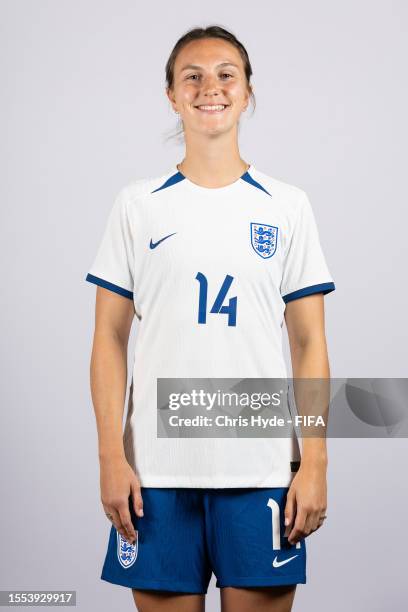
{"points": [[246, 103], [170, 96], [247, 98]]}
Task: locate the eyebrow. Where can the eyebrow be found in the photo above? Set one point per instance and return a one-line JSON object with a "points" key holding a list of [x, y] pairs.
{"points": [[196, 67]]}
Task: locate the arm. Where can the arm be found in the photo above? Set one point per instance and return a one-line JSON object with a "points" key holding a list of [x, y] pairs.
{"points": [[307, 496], [108, 376]]}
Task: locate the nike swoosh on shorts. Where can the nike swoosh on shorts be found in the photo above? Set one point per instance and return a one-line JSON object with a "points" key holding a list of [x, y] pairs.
{"points": [[277, 563]]}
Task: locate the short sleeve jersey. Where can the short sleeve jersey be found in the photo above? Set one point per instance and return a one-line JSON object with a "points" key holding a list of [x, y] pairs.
{"points": [[209, 271]]}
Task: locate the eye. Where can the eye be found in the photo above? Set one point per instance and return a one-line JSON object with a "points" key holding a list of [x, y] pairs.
{"points": [[226, 74], [192, 75]]}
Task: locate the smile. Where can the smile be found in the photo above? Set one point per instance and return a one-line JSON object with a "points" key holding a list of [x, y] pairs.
{"points": [[212, 108]]}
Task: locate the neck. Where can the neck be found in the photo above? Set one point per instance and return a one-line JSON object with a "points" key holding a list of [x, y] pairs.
{"points": [[213, 163]]}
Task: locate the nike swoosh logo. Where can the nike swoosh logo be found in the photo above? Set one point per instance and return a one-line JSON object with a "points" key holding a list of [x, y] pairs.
{"points": [[153, 245], [277, 563]]}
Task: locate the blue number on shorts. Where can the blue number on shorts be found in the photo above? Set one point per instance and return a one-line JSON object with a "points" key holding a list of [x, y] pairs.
{"points": [[275, 515]]}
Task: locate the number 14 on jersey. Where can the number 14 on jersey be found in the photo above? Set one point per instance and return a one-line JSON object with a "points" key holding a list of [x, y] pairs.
{"points": [[217, 307]]}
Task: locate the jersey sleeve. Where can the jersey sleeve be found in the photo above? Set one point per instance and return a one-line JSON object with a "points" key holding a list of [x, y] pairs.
{"points": [[305, 269], [113, 265]]}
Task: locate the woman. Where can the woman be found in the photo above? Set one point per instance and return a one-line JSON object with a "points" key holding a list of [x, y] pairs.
{"points": [[211, 257]]}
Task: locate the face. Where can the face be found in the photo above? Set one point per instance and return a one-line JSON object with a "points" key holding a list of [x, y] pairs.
{"points": [[209, 72]]}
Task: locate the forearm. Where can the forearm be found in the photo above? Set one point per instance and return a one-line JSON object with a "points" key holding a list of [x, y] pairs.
{"points": [[108, 373], [310, 361]]}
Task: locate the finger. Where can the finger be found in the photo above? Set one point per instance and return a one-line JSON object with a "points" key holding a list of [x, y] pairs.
{"points": [[126, 522], [318, 519], [115, 520], [311, 522], [289, 512], [298, 529], [137, 499]]}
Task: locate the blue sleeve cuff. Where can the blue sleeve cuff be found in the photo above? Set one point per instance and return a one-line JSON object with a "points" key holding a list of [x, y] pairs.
{"points": [[107, 285], [321, 288]]}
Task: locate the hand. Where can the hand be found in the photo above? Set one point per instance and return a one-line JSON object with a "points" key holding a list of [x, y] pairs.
{"points": [[118, 481], [306, 502]]}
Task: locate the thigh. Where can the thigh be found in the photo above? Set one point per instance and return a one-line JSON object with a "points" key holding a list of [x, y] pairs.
{"points": [[246, 539], [261, 599], [170, 550], [154, 601]]}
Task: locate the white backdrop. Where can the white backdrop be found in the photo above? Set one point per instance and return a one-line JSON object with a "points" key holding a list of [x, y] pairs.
{"points": [[84, 112]]}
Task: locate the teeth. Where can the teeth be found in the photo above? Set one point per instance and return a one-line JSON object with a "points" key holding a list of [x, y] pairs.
{"points": [[214, 107]]}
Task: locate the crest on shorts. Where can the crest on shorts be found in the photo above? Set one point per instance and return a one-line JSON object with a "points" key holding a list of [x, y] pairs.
{"points": [[264, 239], [127, 553]]}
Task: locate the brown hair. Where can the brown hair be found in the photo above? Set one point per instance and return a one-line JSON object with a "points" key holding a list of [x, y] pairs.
{"points": [[213, 31]]}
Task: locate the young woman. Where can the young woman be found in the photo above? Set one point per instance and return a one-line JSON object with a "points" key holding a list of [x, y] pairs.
{"points": [[211, 256]]}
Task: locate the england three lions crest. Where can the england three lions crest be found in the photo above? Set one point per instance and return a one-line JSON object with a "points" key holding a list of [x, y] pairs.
{"points": [[127, 553], [264, 239]]}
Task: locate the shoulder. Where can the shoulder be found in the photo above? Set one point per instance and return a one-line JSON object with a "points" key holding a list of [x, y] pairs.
{"points": [[139, 188], [287, 195]]}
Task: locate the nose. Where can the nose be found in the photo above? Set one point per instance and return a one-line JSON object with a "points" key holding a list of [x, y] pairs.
{"points": [[210, 86]]}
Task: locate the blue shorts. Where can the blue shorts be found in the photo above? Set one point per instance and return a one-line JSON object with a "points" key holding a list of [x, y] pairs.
{"points": [[186, 534]]}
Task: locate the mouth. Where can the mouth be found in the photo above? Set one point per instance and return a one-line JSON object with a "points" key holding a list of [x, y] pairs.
{"points": [[212, 109]]}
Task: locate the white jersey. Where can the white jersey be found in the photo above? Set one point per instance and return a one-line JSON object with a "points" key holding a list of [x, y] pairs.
{"points": [[254, 246]]}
